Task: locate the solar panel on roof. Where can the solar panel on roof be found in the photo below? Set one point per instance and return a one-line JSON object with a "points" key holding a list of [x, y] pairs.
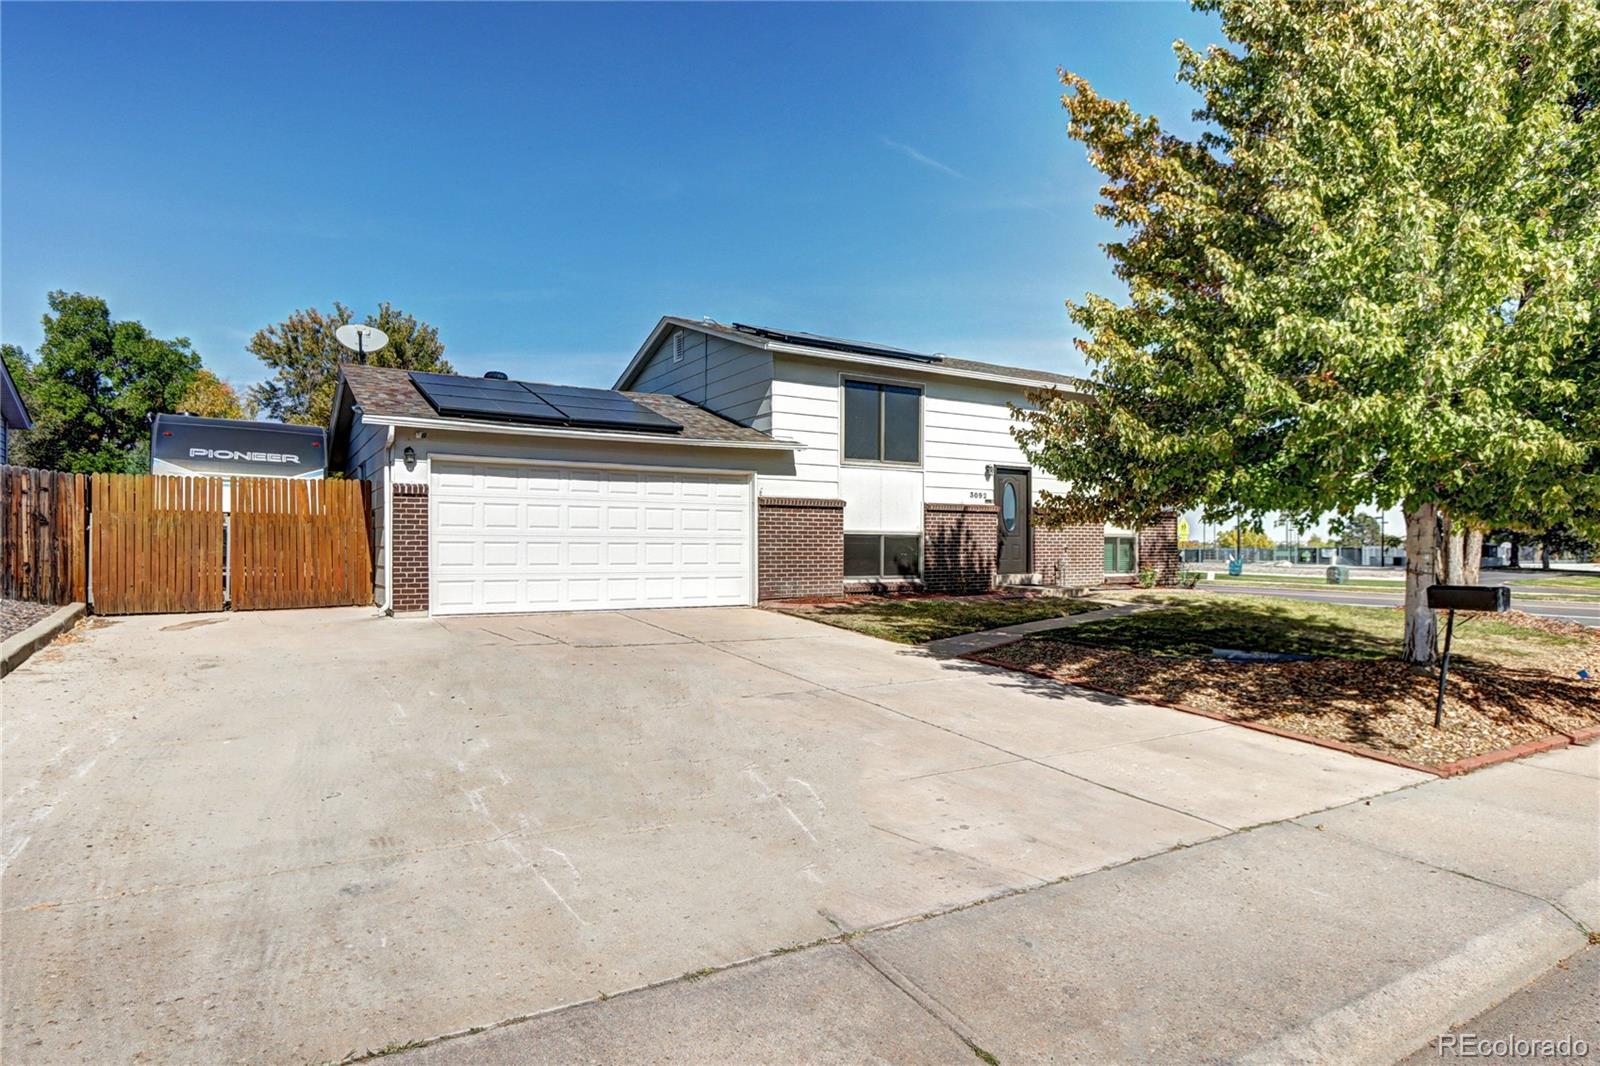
{"points": [[836, 344], [464, 397], [601, 407], [520, 401]]}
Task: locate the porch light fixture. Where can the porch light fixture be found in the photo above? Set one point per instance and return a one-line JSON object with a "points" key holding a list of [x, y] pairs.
{"points": [[411, 457]]}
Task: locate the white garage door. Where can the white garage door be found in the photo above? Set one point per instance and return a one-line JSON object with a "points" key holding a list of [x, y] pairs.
{"points": [[548, 538]]}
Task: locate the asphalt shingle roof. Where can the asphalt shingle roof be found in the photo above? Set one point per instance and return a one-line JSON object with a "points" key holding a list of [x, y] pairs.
{"points": [[387, 392]]}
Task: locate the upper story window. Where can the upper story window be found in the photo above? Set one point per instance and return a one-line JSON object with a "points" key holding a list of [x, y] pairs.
{"points": [[882, 423]]}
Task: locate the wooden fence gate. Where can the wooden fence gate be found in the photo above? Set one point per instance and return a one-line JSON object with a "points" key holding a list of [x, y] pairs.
{"points": [[173, 544], [156, 544], [42, 548], [298, 544]]}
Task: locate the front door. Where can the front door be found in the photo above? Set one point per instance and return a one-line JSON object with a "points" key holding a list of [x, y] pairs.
{"points": [[1013, 500]]}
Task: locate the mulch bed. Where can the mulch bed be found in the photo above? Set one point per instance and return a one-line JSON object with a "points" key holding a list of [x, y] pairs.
{"points": [[1384, 706], [17, 615]]}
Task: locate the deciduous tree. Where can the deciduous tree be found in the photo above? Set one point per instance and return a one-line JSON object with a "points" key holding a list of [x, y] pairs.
{"points": [[211, 397], [1368, 279], [304, 358], [94, 385]]}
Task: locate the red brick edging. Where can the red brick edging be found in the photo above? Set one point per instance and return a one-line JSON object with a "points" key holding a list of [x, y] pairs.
{"points": [[1516, 751], [1449, 769]]}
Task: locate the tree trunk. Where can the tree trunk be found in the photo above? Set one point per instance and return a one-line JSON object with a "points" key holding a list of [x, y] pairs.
{"points": [[1544, 556], [1454, 559], [1422, 551], [1472, 565], [1516, 553]]}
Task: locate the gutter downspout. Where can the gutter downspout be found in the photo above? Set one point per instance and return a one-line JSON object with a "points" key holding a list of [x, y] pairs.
{"points": [[388, 522]]}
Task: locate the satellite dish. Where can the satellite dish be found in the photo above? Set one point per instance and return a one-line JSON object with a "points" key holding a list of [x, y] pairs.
{"points": [[361, 339]]}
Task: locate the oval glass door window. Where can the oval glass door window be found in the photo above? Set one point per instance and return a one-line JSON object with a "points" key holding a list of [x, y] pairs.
{"points": [[1008, 506]]}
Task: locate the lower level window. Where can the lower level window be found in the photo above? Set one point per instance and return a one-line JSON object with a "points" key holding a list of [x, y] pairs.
{"points": [[1119, 555], [894, 555]]}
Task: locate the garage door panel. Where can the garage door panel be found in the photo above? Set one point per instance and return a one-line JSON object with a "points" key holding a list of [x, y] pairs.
{"points": [[502, 554], [621, 517], [457, 515], [502, 515], [551, 538]]}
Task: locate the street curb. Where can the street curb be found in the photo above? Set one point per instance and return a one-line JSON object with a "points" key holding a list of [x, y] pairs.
{"points": [[1516, 751], [1399, 1018], [1449, 769], [1583, 736], [15, 651]]}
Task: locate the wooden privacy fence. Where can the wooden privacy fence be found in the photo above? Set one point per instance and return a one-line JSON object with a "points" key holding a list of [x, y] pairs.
{"points": [[156, 544], [299, 544], [42, 548], [170, 544]]}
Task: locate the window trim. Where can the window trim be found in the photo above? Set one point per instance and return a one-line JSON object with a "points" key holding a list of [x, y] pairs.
{"points": [[1133, 538], [922, 549], [922, 405]]}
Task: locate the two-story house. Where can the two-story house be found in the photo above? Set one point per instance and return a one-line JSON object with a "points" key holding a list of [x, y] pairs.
{"points": [[729, 464]]}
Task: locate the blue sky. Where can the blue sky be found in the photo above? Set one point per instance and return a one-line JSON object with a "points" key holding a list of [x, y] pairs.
{"points": [[542, 182]]}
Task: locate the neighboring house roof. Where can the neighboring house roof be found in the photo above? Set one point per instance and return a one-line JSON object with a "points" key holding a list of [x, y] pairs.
{"points": [[810, 344], [386, 395], [12, 409]]}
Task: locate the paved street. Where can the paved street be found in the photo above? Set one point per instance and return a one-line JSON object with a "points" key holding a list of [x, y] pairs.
{"points": [[1583, 613], [295, 835], [1561, 1004]]}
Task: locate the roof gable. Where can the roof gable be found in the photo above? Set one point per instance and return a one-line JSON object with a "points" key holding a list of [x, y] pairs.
{"points": [[812, 346], [14, 411]]}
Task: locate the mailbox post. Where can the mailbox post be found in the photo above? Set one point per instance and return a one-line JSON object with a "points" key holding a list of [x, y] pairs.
{"points": [[1466, 598]]}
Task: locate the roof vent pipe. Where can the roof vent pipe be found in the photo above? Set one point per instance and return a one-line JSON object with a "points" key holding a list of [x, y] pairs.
{"points": [[495, 375]]}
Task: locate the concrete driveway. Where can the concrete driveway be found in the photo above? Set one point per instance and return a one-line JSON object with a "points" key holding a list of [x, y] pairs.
{"points": [[301, 834]]}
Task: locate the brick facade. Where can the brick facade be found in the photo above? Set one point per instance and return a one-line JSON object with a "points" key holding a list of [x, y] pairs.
{"points": [[959, 545], [801, 548], [1158, 549], [1070, 557], [409, 582]]}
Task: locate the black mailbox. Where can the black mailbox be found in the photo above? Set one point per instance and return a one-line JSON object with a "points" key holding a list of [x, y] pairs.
{"points": [[1469, 597]]}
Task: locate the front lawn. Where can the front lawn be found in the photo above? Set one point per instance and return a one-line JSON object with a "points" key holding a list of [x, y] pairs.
{"points": [[1513, 677], [1588, 582], [919, 619]]}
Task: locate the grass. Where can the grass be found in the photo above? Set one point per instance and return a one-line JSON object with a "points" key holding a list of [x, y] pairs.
{"points": [[918, 619], [1513, 677], [1564, 581], [1193, 627]]}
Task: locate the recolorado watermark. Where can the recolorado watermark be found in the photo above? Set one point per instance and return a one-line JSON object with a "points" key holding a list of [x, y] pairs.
{"points": [[1511, 1046]]}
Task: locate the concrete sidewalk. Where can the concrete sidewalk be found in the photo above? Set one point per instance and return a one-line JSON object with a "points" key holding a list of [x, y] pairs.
{"points": [[989, 639], [1354, 935]]}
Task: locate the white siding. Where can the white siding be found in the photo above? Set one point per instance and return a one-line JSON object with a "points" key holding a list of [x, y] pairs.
{"points": [[367, 462], [966, 426], [446, 445], [880, 499], [732, 379], [805, 409]]}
